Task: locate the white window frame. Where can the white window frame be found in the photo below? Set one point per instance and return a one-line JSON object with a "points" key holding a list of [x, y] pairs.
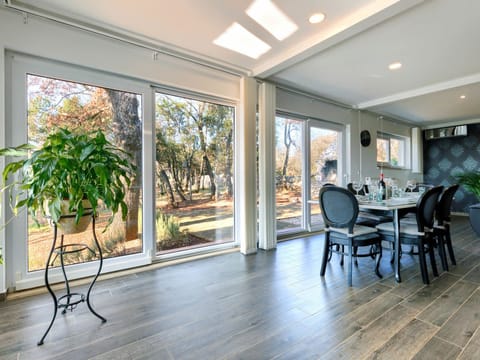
{"points": [[181, 253], [404, 154], [18, 66], [306, 124]]}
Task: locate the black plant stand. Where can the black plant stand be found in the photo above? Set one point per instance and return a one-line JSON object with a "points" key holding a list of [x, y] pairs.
{"points": [[70, 300]]}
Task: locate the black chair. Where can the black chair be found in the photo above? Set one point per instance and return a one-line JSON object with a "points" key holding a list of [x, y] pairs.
{"points": [[421, 233], [340, 210], [442, 225]]}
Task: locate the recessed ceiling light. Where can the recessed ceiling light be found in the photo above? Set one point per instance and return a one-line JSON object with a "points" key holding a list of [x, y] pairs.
{"points": [[272, 19], [239, 39], [463, 97], [316, 18], [395, 66]]}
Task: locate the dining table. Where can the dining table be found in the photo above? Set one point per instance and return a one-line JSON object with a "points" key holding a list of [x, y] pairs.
{"points": [[392, 205]]}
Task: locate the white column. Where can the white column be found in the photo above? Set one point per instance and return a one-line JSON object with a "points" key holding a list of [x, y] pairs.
{"points": [[267, 228], [245, 168], [417, 150], [2, 165]]}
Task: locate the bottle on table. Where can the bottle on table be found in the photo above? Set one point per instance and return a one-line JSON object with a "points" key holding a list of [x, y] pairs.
{"points": [[382, 188]]}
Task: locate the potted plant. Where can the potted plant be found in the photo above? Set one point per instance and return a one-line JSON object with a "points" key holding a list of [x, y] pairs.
{"points": [[72, 172], [471, 181]]}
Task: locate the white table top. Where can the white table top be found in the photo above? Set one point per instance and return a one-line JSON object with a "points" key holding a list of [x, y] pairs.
{"points": [[390, 204]]}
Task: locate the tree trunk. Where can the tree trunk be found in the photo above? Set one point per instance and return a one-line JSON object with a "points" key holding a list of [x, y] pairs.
{"points": [[229, 165], [287, 142], [189, 175], [211, 175], [166, 182], [127, 130], [203, 146], [178, 184]]}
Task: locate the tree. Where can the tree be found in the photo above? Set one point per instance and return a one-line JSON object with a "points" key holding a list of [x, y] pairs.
{"points": [[205, 132], [175, 145], [197, 114], [127, 132], [57, 103], [289, 129]]}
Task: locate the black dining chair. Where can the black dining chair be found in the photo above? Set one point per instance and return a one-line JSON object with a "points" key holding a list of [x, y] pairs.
{"points": [[442, 225], [339, 209], [419, 234]]}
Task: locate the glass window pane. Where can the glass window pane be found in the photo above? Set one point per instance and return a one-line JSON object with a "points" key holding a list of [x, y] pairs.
{"points": [[397, 150], [194, 168], [323, 167], [382, 150], [288, 174], [56, 103], [323, 159]]}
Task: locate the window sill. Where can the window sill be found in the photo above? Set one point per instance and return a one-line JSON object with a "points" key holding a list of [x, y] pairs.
{"points": [[389, 166]]}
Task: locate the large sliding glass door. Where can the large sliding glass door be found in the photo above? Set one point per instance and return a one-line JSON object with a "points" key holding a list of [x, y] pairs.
{"points": [[324, 160], [308, 155], [194, 173], [289, 172], [48, 95], [55, 103]]}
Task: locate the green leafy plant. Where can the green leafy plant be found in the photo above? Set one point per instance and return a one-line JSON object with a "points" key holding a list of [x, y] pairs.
{"points": [[69, 167], [471, 181]]}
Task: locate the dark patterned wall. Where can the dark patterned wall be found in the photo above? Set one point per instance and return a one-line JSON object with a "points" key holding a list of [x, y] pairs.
{"points": [[442, 158]]}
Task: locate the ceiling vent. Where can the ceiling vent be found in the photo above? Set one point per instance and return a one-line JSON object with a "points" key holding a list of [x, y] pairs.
{"points": [[446, 132]]}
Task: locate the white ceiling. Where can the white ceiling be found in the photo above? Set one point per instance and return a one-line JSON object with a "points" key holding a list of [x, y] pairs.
{"points": [[344, 59]]}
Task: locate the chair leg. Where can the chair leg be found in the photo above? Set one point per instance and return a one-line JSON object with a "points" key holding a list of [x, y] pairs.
{"points": [[378, 257], [423, 264], [448, 241], [326, 250], [392, 253], [343, 254], [441, 250], [355, 251], [350, 263], [432, 257]]}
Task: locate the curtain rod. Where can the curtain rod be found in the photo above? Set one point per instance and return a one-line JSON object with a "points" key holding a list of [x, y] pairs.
{"points": [[314, 97], [131, 40]]}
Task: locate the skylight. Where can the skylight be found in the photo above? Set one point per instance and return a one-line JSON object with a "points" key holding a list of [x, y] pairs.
{"points": [[270, 17], [239, 39]]}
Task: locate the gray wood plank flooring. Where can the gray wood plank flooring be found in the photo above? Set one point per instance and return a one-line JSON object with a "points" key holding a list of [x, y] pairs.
{"points": [[272, 305]]}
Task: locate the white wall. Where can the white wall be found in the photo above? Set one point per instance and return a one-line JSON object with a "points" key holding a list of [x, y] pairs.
{"points": [[2, 161], [373, 123]]}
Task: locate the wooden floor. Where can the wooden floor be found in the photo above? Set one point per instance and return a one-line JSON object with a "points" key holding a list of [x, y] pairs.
{"points": [[272, 305]]}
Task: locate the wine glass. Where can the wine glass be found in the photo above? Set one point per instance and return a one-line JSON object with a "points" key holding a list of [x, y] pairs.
{"points": [[357, 186], [368, 188], [368, 181], [411, 185]]}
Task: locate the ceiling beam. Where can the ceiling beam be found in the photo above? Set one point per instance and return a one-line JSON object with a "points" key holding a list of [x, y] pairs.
{"points": [[357, 22], [425, 90]]}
